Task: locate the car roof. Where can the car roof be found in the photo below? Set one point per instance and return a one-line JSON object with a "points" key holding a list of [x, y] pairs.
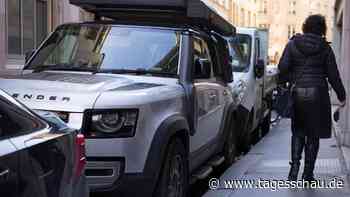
{"points": [[142, 24]]}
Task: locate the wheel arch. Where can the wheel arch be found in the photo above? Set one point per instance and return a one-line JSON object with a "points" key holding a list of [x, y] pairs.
{"points": [[175, 126]]}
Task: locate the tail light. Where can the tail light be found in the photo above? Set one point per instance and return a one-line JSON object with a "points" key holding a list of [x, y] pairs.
{"points": [[80, 155]]}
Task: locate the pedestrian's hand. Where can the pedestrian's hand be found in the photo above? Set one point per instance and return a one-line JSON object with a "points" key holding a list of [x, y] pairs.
{"points": [[342, 104]]}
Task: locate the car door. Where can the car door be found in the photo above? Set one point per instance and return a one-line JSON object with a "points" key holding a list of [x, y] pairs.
{"points": [[14, 123], [38, 167], [209, 101], [8, 165], [43, 164], [259, 86]]}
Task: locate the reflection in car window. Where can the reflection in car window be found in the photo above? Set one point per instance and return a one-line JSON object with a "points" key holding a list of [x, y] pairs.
{"points": [[15, 121], [240, 51], [201, 51], [106, 47]]}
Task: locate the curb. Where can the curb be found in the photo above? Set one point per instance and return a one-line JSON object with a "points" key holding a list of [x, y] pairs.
{"points": [[345, 152]]}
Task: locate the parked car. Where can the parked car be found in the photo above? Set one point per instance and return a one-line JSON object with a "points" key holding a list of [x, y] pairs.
{"points": [[39, 155], [253, 85], [149, 90]]}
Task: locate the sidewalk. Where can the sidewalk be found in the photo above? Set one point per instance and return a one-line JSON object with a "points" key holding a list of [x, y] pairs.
{"points": [[269, 160]]}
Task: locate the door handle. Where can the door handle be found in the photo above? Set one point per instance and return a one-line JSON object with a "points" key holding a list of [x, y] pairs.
{"points": [[4, 174]]}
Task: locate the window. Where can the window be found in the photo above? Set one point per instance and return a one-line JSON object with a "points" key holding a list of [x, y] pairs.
{"points": [[27, 25], [242, 17], [254, 20], [105, 47], [264, 26], [240, 52], [201, 51], [265, 7], [291, 31], [15, 119], [257, 50], [249, 18], [292, 7]]}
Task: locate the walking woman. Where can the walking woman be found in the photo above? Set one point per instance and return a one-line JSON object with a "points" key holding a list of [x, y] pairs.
{"points": [[308, 62]]}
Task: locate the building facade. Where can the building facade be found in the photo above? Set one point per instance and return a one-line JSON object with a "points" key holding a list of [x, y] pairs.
{"points": [[242, 13], [341, 46], [32, 20], [285, 18], [245, 13], [25, 23], [223, 7]]}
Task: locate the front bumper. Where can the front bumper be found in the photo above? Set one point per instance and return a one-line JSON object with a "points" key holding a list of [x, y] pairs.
{"points": [[103, 173], [107, 175]]}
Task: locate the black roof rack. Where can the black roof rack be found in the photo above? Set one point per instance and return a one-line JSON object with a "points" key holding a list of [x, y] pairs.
{"points": [[195, 12]]}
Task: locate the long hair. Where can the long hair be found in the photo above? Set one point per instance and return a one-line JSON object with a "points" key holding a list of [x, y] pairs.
{"points": [[315, 24]]}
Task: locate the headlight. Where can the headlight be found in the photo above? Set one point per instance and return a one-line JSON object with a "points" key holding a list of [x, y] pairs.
{"points": [[111, 123]]}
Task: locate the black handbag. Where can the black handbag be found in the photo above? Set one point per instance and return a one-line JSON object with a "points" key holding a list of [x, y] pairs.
{"points": [[288, 109]]}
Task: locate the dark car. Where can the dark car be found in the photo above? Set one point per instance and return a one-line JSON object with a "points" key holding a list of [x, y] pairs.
{"points": [[39, 155]]}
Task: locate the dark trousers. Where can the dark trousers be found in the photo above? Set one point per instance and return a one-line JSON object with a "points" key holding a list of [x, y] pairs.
{"points": [[310, 145]]}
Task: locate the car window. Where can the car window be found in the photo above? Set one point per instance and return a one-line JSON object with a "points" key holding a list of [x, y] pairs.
{"points": [[240, 51], [15, 121], [201, 51], [106, 47], [257, 49]]}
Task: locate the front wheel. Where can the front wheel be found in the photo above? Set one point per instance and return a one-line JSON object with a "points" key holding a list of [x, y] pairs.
{"points": [[173, 180]]}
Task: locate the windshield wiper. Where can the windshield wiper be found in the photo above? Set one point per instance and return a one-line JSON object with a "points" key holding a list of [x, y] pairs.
{"points": [[62, 67], [135, 71]]}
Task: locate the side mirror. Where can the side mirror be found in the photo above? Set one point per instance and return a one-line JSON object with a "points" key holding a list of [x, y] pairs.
{"points": [[28, 55], [202, 68], [259, 68]]}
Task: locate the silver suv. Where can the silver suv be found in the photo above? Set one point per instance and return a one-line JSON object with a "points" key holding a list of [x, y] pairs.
{"points": [[152, 100]]}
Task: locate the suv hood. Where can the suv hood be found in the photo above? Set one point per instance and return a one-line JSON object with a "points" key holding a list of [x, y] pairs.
{"points": [[71, 92]]}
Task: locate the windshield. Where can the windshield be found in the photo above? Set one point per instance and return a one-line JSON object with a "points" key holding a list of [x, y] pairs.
{"points": [[104, 47], [240, 52]]}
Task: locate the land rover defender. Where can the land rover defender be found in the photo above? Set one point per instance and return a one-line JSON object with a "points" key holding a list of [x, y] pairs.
{"points": [[147, 84]]}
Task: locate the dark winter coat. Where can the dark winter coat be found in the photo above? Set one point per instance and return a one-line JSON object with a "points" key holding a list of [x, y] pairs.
{"points": [[309, 61]]}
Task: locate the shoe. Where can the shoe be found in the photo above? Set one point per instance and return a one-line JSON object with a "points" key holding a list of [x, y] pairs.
{"points": [[311, 151], [297, 149], [294, 170]]}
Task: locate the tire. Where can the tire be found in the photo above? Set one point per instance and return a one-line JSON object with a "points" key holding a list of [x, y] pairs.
{"points": [[174, 177], [265, 125], [230, 147]]}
